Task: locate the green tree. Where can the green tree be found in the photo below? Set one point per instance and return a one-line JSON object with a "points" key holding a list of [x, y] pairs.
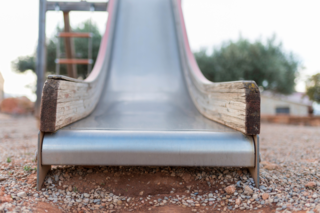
{"points": [[265, 63], [24, 63], [313, 88]]}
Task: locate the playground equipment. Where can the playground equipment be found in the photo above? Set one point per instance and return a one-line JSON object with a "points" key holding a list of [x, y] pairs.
{"points": [[147, 103], [74, 60], [64, 7], [69, 47]]}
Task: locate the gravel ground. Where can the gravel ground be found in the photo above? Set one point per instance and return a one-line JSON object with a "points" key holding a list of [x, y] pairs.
{"points": [[290, 179]]}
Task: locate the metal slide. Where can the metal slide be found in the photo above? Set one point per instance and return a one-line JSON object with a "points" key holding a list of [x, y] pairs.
{"points": [[145, 115]]}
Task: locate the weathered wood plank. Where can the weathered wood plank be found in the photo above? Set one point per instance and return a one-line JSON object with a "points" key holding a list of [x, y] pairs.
{"points": [[49, 106], [235, 104]]}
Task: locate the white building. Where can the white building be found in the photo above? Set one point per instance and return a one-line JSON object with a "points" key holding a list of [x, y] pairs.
{"points": [[297, 104]]}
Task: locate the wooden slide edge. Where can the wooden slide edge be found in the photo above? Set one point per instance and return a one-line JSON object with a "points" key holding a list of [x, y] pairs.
{"points": [[49, 106], [252, 120]]}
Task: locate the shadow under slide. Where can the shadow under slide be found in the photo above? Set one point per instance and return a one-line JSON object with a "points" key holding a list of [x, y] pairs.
{"points": [[145, 114]]}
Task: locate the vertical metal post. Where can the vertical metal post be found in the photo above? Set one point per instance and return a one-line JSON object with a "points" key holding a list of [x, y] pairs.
{"points": [[255, 171], [92, 9], [42, 170], [41, 54], [58, 56], [89, 54]]}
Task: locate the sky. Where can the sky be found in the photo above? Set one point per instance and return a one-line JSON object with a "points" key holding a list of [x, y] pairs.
{"points": [[209, 23]]}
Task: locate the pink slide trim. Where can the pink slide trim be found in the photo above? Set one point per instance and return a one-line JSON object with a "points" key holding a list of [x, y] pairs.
{"points": [[189, 54], [103, 46]]}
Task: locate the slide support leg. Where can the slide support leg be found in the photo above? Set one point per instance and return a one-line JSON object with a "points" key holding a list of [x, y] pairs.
{"points": [[254, 171], [42, 170]]}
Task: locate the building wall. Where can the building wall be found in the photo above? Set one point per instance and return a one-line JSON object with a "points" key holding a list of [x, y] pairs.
{"points": [[269, 105]]}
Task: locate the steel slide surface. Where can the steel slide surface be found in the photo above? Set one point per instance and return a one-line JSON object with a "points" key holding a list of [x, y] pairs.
{"points": [[145, 92], [145, 89]]}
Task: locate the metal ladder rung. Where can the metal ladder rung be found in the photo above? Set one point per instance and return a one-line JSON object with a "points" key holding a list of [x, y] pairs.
{"points": [[59, 60], [73, 61], [74, 35]]}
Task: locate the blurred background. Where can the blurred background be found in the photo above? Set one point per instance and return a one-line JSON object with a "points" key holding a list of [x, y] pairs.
{"points": [[275, 43]]}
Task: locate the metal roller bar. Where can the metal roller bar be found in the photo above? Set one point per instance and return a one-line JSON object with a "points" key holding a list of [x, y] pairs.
{"points": [[166, 148]]}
